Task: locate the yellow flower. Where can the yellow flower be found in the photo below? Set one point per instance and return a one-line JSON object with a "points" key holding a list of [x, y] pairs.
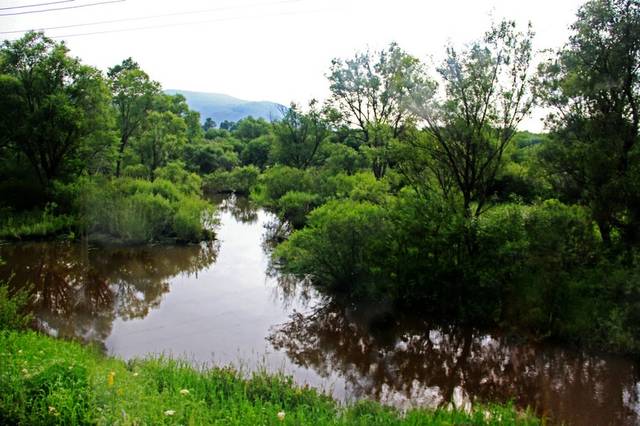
{"points": [[184, 392], [281, 416], [169, 412], [111, 378]]}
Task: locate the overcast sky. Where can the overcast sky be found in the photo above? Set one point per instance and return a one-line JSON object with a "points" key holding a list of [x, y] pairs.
{"points": [[277, 50]]}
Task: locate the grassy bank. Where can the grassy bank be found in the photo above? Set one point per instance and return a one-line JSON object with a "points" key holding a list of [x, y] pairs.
{"points": [[48, 381]]}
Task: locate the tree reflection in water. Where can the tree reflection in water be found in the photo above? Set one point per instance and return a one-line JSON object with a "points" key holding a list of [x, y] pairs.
{"points": [[78, 290], [242, 209], [406, 364]]}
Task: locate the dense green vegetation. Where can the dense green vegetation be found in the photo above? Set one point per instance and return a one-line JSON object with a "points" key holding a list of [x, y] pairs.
{"points": [[82, 153], [407, 186], [47, 381]]}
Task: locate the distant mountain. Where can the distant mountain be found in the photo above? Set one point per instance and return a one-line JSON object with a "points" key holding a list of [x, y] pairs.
{"points": [[224, 107]]}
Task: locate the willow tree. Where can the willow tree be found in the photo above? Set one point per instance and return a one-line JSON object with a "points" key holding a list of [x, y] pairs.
{"points": [[486, 95], [372, 92]]}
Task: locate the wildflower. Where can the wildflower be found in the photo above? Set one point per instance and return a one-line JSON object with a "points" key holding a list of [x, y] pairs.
{"points": [[184, 392], [20, 351], [169, 412], [111, 378], [135, 374], [281, 416]]}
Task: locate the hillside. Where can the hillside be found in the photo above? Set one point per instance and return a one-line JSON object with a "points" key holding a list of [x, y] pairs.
{"points": [[224, 107]]}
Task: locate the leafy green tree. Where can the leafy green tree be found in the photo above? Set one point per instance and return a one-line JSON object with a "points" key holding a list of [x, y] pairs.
{"points": [[209, 124], [133, 95], [298, 135], [257, 151], [177, 104], [51, 105], [206, 157], [372, 92], [487, 94], [593, 87], [250, 128], [161, 140], [227, 125]]}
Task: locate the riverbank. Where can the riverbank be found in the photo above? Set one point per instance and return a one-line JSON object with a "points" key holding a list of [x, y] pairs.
{"points": [[49, 381]]}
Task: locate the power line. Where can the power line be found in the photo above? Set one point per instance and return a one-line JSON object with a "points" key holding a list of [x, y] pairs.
{"points": [[151, 27], [36, 5], [166, 15], [62, 8]]}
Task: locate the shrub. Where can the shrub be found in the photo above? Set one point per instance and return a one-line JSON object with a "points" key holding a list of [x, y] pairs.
{"points": [[278, 180], [343, 247], [139, 211], [294, 207], [239, 180]]}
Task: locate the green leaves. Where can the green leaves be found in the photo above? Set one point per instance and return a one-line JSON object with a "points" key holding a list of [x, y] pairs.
{"points": [[53, 105]]}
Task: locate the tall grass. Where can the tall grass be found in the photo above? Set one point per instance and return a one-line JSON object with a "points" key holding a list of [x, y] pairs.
{"points": [[34, 224]]}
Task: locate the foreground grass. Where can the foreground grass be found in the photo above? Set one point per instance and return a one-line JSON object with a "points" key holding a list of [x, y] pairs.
{"points": [[49, 381]]}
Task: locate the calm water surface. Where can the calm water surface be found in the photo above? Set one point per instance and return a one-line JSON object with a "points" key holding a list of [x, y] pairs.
{"points": [[222, 302]]}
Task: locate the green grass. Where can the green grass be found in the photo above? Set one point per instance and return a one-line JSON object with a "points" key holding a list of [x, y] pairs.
{"points": [[48, 381], [34, 225]]}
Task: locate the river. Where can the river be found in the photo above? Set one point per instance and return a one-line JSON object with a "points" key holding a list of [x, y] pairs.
{"points": [[223, 303]]}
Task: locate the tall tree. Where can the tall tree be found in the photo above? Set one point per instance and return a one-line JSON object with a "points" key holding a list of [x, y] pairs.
{"points": [[51, 104], [133, 94], [487, 93], [593, 88], [298, 135], [161, 140], [209, 124], [372, 92]]}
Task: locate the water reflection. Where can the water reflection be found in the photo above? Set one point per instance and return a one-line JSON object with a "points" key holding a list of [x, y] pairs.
{"points": [[79, 290], [406, 364], [242, 209], [228, 299]]}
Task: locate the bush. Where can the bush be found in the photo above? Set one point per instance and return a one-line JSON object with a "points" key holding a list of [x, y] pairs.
{"points": [[343, 158], [239, 180], [294, 207], [278, 180], [188, 220], [343, 247], [139, 211]]}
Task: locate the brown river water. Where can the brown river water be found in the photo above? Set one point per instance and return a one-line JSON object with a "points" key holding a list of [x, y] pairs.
{"points": [[223, 303]]}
